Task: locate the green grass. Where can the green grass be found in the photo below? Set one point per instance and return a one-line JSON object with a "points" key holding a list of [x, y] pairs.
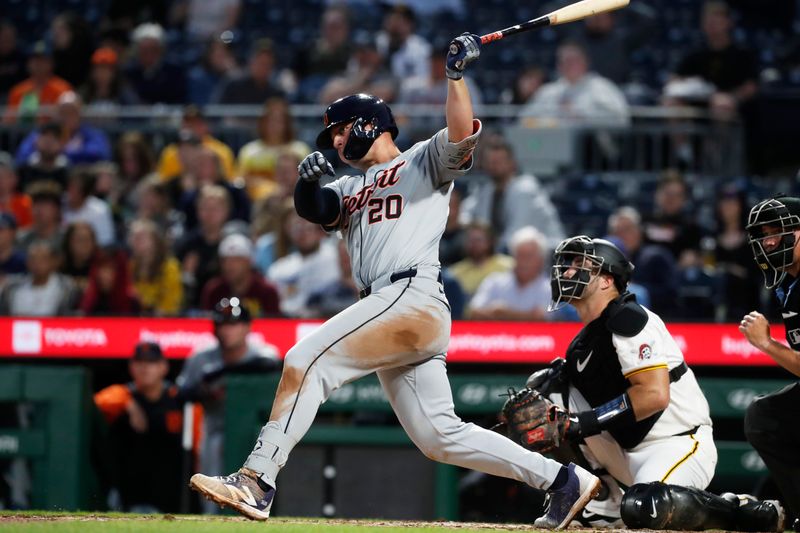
{"points": [[45, 522]]}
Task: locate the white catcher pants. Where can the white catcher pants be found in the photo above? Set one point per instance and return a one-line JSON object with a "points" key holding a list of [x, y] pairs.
{"points": [[401, 331], [685, 460]]}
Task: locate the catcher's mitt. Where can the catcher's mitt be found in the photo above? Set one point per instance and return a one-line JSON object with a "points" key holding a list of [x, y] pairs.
{"points": [[533, 421]]}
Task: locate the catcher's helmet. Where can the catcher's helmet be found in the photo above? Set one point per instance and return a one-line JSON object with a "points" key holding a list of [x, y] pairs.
{"points": [[585, 257], [362, 109], [777, 217]]}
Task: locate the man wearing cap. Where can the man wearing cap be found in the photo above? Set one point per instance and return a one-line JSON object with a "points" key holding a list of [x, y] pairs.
{"points": [[146, 420], [82, 143], [200, 378], [155, 80], [42, 88], [239, 278], [310, 268], [170, 165]]}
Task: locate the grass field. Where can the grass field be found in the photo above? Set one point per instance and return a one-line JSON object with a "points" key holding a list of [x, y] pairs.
{"points": [[43, 522]]}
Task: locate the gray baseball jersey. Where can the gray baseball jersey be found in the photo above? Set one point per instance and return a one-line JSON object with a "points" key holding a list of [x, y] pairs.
{"points": [[393, 216]]}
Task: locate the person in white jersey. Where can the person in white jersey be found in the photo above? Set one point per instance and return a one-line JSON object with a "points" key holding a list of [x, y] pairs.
{"points": [[635, 407], [392, 216]]}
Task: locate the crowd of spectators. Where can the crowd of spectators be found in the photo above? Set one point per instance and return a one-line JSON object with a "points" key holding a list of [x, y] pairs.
{"points": [[99, 224]]}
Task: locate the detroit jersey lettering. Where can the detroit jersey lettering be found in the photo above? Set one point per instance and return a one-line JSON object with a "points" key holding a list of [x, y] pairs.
{"points": [[394, 215]]}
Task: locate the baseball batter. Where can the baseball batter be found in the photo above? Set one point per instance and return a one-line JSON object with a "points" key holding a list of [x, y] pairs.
{"points": [[392, 217], [634, 405]]}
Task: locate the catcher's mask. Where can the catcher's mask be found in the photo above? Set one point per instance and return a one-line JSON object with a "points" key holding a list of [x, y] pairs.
{"points": [[577, 260], [364, 110], [773, 219]]}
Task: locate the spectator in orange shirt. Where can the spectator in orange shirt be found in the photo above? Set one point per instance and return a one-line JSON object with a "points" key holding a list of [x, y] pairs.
{"points": [[42, 88], [169, 165], [11, 200], [146, 419]]}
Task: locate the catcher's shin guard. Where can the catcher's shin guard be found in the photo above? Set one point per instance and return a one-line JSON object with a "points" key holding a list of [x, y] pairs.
{"points": [[657, 505]]}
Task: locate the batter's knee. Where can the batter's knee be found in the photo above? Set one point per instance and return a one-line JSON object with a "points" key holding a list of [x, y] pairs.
{"points": [[434, 441], [298, 358]]}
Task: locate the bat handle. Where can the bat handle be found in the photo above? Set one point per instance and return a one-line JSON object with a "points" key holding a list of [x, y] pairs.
{"points": [[491, 37]]}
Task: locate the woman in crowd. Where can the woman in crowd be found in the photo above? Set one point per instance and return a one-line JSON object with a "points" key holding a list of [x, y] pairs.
{"points": [[257, 159], [79, 250], [156, 273], [106, 87], [109, 291], [738, 278]]}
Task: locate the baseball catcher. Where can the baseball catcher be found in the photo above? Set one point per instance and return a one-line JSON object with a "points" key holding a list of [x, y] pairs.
{"points": [[635, 410]]}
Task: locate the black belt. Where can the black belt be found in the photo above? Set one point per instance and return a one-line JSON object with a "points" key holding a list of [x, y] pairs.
{"points": [[687, 432], [397, 276], [677, 373]]}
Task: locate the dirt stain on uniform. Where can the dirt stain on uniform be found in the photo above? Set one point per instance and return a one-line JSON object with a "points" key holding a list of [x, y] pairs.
{"points": [[391, 340], [288, 387]]}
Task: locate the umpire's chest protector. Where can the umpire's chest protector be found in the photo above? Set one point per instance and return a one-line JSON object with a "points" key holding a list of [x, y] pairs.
{"points": [[593, 365], [788, 295]]}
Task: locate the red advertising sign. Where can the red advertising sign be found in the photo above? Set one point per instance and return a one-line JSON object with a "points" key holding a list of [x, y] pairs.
{"points": [[470, 342]]}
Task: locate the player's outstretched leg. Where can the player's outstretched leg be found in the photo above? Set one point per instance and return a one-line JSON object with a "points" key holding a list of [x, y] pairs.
{"points": [[376, 332], [421, 397]]}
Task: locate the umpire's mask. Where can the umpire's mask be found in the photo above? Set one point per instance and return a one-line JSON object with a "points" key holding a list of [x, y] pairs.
{"points": [[773, 219]]}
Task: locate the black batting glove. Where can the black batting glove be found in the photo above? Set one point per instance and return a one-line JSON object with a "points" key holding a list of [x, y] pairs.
{"points": [[464, 49], [314, 166]]}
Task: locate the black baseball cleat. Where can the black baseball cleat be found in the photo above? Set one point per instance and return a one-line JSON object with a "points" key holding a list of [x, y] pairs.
{"points": [[765, 515], [241, 491]]}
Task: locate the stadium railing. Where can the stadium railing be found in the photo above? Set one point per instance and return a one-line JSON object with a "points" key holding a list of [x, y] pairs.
{"points": [[648, 144]]}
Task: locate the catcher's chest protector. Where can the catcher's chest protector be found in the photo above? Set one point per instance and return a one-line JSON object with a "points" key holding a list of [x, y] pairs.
{"points": [[594, 369]]}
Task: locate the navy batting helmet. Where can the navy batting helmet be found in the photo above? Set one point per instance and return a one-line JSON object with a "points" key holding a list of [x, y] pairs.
{"points": [[584, 258], [362, 109]]}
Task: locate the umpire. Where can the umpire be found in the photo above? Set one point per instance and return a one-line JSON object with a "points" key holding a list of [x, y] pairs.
{"points": [[771, 422]]}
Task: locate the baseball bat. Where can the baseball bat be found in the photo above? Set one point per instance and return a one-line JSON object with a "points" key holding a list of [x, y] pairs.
{"points": [[577, 11]]}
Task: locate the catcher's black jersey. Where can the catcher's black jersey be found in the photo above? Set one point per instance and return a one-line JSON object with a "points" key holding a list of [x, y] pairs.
{"points": [[594, 368], [788, 294]]}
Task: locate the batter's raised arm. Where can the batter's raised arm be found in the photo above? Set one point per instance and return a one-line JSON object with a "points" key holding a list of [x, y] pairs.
{"points": [[464, 49]]}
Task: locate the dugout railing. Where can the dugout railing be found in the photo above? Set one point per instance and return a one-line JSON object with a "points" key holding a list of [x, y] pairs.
{"points": [[249, 398], [47, 422]]}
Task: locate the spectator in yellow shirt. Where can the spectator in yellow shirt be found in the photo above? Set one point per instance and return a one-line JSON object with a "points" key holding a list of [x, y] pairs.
{"points": [[258, 158], [481, 259], [156, 273], [169, 164]]}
